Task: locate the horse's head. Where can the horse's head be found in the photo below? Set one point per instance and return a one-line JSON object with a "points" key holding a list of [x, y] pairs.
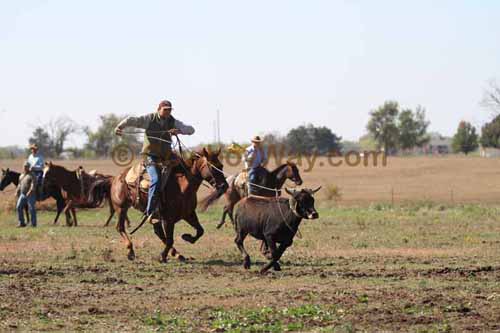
{"points": [[292, 173], [5, 179], [208, 166], [49, 173]]}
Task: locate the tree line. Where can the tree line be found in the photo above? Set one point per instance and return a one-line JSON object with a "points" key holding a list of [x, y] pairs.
{"points": [[391, 128], [52, 138]]}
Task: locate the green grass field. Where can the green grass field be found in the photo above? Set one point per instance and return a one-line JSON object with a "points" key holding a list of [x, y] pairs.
{"points": [[421, 267]]}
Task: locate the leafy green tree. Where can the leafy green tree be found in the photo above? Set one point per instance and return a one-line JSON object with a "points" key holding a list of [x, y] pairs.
{"points": [[41, 138], [383, 126], [466, 139], [490, 133], [412, 128], [367, 142], [103, 140], [309, 139]]}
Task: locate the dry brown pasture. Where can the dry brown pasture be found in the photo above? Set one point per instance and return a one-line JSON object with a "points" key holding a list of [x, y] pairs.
{"points": [[427, 263], [453, 179]]}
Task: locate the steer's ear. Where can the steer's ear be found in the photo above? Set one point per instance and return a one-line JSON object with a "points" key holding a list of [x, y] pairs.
{"points": [[289, 192], [205, 152], [316, 190], [217, 153]]}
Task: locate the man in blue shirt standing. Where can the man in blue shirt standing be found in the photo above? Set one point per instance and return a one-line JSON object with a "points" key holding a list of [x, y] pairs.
{"points": [[36, 162], [25, 193], [255, 158]]}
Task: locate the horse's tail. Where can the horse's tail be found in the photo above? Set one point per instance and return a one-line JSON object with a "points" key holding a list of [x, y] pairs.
{"points": [[99, 190], [214, 195]]}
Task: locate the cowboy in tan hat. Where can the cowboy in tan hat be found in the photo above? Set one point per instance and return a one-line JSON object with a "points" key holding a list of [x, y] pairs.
{"points": [[36, 163], [255, 158]]}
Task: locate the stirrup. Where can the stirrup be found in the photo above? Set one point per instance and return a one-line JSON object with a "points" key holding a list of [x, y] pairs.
{"points": [[151, 217]]}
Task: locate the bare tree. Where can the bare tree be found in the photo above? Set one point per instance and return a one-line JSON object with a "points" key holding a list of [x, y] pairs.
{"points": [[59, 130], [491, 97]]}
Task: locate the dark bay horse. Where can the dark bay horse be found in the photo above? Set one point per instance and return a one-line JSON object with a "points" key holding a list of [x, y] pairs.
{"points": [[75, 185], [273, 179], [178, 199], [51, 190]]}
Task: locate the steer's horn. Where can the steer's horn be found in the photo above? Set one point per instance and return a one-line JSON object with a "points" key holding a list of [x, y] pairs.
{"points": [[289, 192], [316, 190]]}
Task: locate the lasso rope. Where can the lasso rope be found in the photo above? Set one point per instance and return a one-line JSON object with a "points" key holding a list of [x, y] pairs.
{"points": [[181, 144]]}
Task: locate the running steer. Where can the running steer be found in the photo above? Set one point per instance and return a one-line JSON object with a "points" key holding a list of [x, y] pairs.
{"points": [[273, 221]]}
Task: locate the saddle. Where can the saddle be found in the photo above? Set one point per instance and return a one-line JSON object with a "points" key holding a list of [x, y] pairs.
{"points": [[86, 179], [138, 177], [241, 179]]}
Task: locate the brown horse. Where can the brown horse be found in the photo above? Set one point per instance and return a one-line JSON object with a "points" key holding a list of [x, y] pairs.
{"points": [[177, 199], [75, 186], [11, 177], [273, 179]]}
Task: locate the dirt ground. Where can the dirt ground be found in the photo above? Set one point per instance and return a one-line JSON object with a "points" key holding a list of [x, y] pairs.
{"points": [[419, 267], [428, 263]]}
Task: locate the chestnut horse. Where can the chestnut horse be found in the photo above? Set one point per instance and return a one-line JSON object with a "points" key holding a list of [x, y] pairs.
{"points": [[177, 202], [75, 185], [273, 179]]}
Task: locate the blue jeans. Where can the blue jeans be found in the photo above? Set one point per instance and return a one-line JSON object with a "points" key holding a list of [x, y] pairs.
{"points": [[154, 176], [38, 185], [21, 203], [255, 177]]}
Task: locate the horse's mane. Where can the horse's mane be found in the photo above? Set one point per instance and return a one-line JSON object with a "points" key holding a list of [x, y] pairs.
{"points": [[61, 168], [280, 167]]}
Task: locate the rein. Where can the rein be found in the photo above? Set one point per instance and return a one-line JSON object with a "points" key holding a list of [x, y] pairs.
{"points": [[226, 174], [189, 174]]}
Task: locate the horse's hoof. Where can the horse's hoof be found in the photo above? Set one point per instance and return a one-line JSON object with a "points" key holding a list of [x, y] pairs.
{"points": [[181, 258], [131, 256], [277, 267], [220, 225], [246, 264], [263, 271], [188, 238]]}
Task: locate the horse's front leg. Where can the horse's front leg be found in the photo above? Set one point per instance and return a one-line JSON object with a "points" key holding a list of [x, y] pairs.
{"points": [[195, 223], [223, 219], [161, 231]]}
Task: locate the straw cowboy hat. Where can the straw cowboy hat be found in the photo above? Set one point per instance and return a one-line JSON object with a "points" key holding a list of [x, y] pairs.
{"points": [[34, 146], [257, 139]]}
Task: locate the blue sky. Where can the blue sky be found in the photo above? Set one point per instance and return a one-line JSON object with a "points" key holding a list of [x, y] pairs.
{"points": [[267, 65]]}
